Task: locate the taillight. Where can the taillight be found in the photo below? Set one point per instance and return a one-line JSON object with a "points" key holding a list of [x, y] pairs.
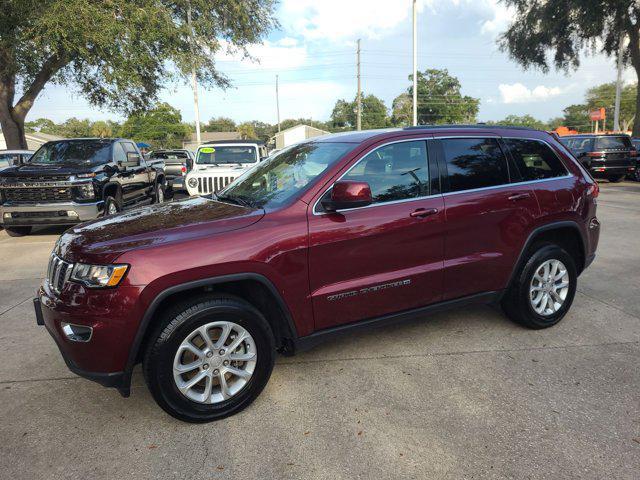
{"points": [[633, 153], [593, 190], [595, 154], [184, 170]]}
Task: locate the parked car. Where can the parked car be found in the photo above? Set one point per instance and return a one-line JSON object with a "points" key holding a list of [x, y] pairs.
{"points": [[636, 144], [10, 158], [219, 163], [330, 235], [71, 181], [177, 163], [606, 156]]}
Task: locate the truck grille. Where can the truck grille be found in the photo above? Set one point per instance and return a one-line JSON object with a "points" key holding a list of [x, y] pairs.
{"points": [[58, 273], [37, 195], [213, 184]]}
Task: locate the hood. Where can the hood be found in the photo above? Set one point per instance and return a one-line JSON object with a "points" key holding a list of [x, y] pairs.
{"points": [[31, 170], [227, 167], [103, 240]]}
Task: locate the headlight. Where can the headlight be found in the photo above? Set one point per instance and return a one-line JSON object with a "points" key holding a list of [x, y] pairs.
{"points": [[97, 276], [193, 182], [85, 190]]}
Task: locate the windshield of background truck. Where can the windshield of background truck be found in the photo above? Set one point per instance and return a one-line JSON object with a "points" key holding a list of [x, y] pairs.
{"points": [[218, 155], [76, 152]]}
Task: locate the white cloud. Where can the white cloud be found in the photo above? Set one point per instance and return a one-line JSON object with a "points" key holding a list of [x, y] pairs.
{"points": [[518, 93], [501, 17], [281, 55]]}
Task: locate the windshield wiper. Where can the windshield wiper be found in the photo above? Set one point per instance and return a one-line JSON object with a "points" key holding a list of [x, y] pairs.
{"points": [[237, 200]]}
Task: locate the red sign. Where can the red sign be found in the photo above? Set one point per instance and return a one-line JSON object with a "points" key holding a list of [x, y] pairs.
{"points": [[597, 115]]}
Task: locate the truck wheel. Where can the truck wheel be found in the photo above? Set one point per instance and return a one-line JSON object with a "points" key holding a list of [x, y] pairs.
{"points": [[543, 290], [209, 358], [616, 179], [636, 175], [111, 206], [159, 194], [18, 231]]}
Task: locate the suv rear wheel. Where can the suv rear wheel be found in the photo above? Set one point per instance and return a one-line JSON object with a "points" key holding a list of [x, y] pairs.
{"points": [[209, 358], [18, 231], [544, 289]]}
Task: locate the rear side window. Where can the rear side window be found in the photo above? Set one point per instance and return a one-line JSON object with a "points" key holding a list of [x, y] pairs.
{"points": [[613, 143], [474, 163], [394, 172], [535, 160]]}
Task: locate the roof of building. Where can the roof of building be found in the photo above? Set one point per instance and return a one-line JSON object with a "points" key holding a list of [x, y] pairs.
{"points": [[215, 136], [298, 126]]}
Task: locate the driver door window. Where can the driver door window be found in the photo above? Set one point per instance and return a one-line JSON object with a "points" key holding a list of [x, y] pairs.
{"points": [[394, 172], [118, 153]]}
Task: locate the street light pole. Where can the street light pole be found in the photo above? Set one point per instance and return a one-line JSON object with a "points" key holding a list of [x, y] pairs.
{"points": [[359, 96], [194, 80], [278, 103], [415, 66]]}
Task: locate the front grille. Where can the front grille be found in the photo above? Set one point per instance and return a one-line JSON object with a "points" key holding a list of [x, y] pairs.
{"points": [[39, 178], [58, 273], [213, 184], [38, 195]]}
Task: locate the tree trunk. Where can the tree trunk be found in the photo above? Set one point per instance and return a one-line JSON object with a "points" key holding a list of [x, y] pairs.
{"points": [[13, 131], [636, 121]]}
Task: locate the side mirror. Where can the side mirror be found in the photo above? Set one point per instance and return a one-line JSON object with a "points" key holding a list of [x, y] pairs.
{"points": [[347, 194], [133, 160]]}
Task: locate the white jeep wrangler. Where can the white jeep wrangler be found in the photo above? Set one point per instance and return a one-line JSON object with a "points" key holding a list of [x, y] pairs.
{"points": [[219, 163]]}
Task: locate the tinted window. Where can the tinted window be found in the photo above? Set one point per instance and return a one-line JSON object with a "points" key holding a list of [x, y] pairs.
{"points": [[394, 172], [474, 163], [578, 144], [605, 143], [535, 160], [129, 147]]}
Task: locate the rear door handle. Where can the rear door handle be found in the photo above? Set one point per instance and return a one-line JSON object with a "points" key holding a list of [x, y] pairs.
{"points": [[423, 212], [519, 196]]}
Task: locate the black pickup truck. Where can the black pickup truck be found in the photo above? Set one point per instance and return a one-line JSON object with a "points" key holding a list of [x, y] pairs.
{"points": [[71, 181]]}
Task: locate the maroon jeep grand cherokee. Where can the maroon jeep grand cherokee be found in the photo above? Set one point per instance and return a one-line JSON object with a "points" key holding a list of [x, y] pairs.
{"points": [[338, 232]]}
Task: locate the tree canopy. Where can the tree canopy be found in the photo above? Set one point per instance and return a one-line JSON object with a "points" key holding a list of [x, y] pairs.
{"points": [[524, 121], [117, 54], [374, 114], [161, 126], [439, 100], [557, 32]]}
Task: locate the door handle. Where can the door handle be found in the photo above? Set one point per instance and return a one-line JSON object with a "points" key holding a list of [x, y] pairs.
{"points": [[423, 212], [519, 196]]}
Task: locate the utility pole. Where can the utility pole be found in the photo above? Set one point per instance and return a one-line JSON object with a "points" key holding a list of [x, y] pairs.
{"points": [[278, 102], [415, 65], [359, 96], [616, 114], [194, 80]]}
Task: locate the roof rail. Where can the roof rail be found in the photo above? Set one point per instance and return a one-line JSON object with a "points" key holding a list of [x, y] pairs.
{"points": [[476, 125]]}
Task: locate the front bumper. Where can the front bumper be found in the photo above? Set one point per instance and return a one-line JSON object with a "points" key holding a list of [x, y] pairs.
{"points": [[112, 318], [48, 213]]}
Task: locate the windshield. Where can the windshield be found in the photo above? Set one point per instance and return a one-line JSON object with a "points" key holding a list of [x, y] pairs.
{"points": [[218, 155], [605, 143], [284, 175], [77, 152]]}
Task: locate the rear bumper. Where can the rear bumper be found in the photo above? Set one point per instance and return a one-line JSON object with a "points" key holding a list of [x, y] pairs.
{"points": [[48, 213], [603, 171], [176, 183]]}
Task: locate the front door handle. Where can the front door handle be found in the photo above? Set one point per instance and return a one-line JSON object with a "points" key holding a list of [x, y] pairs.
{"points": [[423, 212], [519, 196]]}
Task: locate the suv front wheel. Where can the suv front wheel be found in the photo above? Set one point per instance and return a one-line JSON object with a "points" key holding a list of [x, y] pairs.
{"points": [[543, 291], [209, 358]]}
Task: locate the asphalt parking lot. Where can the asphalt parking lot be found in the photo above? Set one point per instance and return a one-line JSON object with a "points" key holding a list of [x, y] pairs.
{"points": [[464, 394]]}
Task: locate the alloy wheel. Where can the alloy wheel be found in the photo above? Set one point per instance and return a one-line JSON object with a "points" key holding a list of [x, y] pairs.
{"points": [[549, 287], [214, 362]]}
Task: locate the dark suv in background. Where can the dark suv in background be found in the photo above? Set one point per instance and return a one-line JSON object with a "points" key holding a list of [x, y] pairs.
{"points": [[332, 234], [612, 157], [71, 181]]}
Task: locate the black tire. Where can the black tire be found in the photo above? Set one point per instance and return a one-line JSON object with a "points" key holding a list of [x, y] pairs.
{"points": [[636, 174], [18, 231], [175, 325], [516, 302], [159, 193], [107, 205], [617, 179]]}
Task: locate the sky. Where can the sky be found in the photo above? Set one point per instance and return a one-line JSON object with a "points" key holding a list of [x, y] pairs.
{"points": [[313, 53]]}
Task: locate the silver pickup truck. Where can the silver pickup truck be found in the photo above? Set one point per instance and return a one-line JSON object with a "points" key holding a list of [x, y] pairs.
{"points": [[177, 163]]}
